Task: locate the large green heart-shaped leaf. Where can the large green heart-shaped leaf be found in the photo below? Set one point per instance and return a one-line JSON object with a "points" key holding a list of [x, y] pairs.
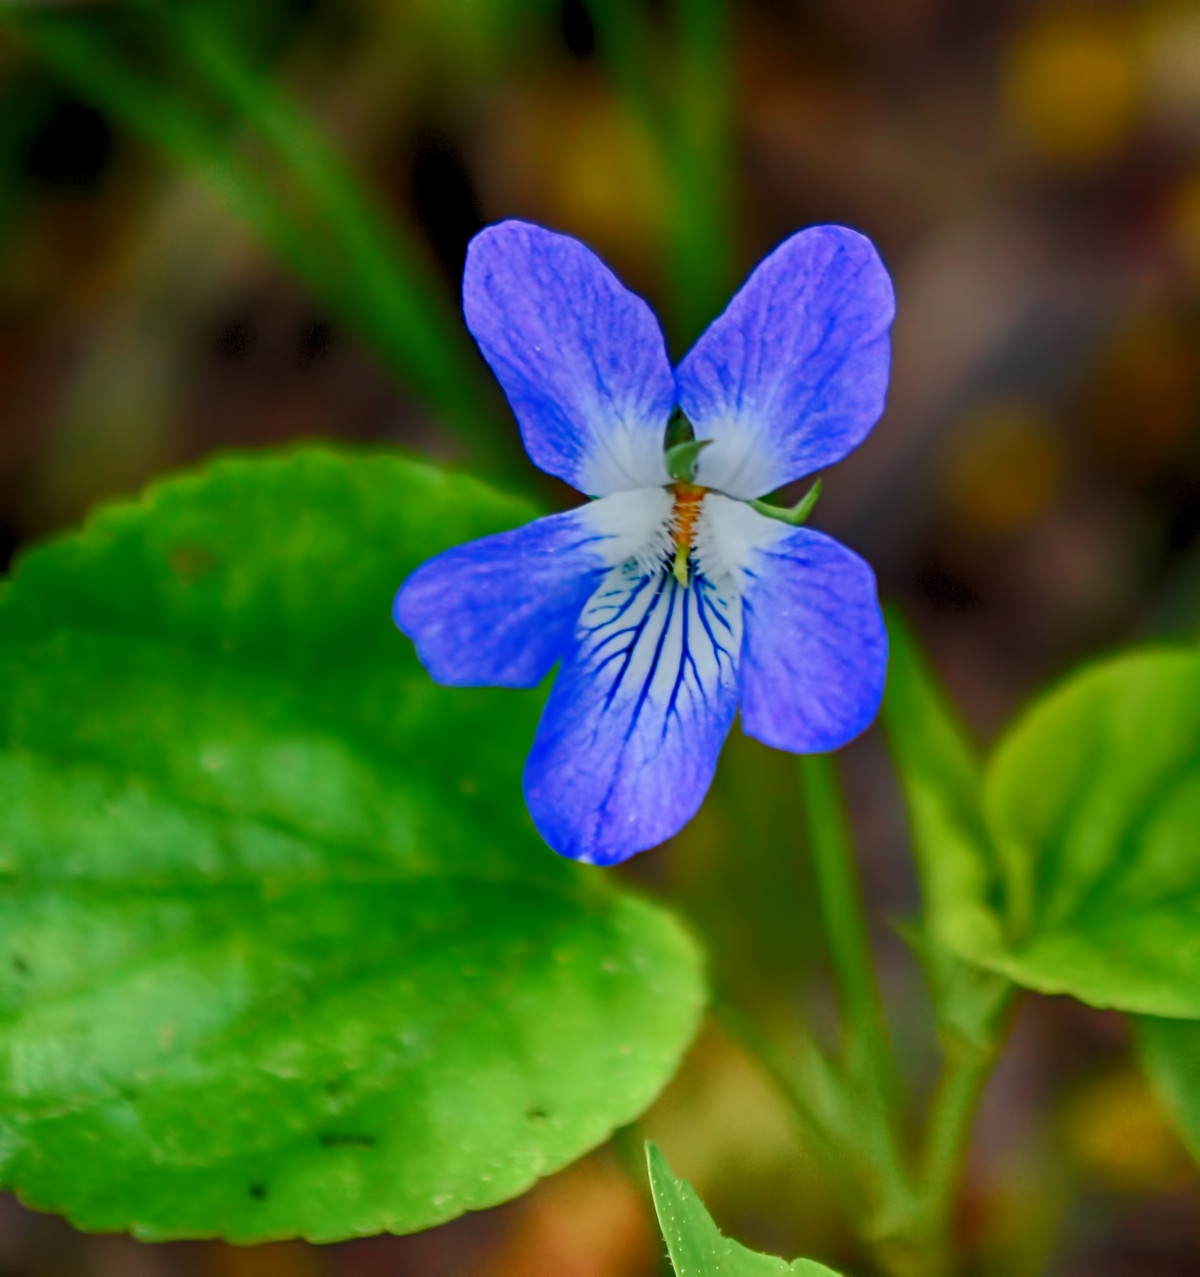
{"points": [[694, 1242], [280, 951], [1076, 868]]}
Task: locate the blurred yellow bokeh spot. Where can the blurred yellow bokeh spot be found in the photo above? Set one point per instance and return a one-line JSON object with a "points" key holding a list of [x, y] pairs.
{"points": [[1114, 1129], [1171, 41], [1002, 466], [1185, 222], [565, 152], [1072, 87]]}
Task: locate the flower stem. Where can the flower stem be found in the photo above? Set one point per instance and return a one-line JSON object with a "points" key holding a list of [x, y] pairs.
{"points": [[869, 1110], [845, 926]]}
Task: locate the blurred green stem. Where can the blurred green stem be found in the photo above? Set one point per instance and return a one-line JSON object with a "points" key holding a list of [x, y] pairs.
{"points": [[870, 1112], [912, 1227], [843, 913], [948, 1131], [296, 193], [685, 105]]}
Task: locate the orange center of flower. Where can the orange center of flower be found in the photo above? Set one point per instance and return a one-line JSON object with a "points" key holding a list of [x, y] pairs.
{"points": [[688, 497]]}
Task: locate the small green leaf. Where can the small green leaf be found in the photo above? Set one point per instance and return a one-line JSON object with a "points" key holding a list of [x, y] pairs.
{"points": [[1170, 1051], [1093, 800], [280, 951], [1075, 867], [794, 514], [696, 1246], [943, 784]]}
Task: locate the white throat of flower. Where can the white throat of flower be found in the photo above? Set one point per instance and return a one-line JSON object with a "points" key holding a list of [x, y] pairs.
{"points": [[683, 530]]}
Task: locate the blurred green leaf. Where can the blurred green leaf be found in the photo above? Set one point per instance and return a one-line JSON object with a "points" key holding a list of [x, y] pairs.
{"points": [[1170, 1051], [184, 77], [1084, 877], [281, 951], [960, 876], [696, 1246]]}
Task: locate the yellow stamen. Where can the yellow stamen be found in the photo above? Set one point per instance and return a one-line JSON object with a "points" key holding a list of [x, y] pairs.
{"points": [[688, 497], [681, 564]]}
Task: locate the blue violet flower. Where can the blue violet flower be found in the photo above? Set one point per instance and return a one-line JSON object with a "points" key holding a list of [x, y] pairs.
{"points": [[676, 594]]}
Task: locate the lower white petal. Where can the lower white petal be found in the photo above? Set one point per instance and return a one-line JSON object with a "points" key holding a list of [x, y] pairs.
{"points": [[629, 739], [635, 524]]}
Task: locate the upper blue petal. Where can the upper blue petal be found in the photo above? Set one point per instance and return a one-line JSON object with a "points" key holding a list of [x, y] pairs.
{"points": [[629, 738], [793, 375], [814, 656], [581, 359], [501, 611]]}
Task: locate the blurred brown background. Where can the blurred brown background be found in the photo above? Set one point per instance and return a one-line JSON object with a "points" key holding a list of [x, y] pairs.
{"points": [[1031, 172]]}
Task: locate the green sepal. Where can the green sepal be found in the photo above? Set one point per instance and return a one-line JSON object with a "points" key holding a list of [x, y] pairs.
{"points": [[694, 1242], [681, 459], [795, 514]]}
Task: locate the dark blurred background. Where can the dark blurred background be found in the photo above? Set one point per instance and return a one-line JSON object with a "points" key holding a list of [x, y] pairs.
{"points": [[1030, 170]]}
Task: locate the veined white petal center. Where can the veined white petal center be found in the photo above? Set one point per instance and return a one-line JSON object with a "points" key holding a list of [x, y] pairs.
{"points": [[662, 652], [662, 646]]}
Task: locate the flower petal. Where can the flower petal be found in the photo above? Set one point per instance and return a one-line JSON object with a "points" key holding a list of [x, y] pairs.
{"points": [[629, 738], [793, 375], [814, 652], [580, 357], [500, 611]]}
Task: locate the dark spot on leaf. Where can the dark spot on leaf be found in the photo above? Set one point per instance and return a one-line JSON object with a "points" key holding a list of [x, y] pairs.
{"points": [[347, 1141], [258, 1191], [233, 340], [578, 30], [128, 1093], [189, 562], [19, 964], [946, 592], [536, 1115]]}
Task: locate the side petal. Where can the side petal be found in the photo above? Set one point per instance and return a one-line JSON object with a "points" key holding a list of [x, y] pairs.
{"points": [[793, 374], [814, 657], [629, 738], [580, 357], [500, 611]]}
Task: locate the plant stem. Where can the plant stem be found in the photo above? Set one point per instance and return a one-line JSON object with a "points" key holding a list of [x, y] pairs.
{"points": [[842, 914], [948, 1131], [869, 1128], [982, 1004]]}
